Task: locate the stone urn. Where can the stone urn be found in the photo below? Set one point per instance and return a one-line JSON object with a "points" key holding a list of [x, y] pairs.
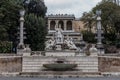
{"points": [[93, 50], [27, 51]]}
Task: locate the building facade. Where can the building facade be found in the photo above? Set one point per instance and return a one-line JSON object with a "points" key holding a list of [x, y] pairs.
{"points": [[67, 23]]}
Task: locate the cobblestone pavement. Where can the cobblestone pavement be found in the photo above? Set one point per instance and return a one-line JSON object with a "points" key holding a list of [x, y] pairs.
{"points": [[28, 78]]}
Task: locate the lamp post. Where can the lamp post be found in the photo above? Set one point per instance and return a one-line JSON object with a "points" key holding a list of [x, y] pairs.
{"points": [[21, 42]]}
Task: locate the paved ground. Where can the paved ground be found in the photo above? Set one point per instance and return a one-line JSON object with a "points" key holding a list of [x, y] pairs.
{"points": [[25, 78]]}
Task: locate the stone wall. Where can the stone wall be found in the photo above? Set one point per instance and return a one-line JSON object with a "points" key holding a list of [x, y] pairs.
{"points": [[10, 64], [109, 64]]}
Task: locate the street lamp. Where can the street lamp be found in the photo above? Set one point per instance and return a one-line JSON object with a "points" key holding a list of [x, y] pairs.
{"points": [[21, 42]]}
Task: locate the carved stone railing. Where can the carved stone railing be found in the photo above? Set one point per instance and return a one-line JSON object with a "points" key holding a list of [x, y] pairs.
{"points": [[41, 53]]}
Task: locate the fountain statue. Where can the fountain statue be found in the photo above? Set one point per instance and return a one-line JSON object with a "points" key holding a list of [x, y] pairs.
{"points": [[59, 40], [59, 36], [70, 44], [49, 44]]}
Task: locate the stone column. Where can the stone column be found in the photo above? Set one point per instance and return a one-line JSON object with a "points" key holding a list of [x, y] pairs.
{"points": [[21, 46], [99, 33], [65, 25], [72, 26], [21, 30], [99, 29], [21, 43], [49, 21], [56, 26]]}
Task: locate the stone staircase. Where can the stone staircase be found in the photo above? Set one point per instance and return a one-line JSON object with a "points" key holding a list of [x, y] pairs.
{"points": [[85, 65]]}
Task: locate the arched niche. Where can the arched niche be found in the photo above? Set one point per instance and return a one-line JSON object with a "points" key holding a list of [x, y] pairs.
{"points": [[52, 25], [61, 25], [69, 25]]}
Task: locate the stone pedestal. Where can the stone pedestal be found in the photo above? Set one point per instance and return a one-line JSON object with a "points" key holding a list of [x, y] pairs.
{"points": [[24, 51], [27, 51], [20, 51], [58, 47], [101, 51], [100, 48]]}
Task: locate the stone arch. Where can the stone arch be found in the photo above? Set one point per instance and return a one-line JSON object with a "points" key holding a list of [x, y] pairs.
{"points": [[69, 25], [61, 25], [52, 25]]}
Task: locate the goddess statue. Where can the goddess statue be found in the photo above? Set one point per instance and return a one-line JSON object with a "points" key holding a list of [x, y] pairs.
{"points": [[59, 36]]}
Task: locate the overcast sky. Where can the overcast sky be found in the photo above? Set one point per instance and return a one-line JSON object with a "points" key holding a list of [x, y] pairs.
{"points": [[76, 7]]}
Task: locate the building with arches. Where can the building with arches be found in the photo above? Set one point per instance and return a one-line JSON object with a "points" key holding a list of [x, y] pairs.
{"points": [[68, 23]]}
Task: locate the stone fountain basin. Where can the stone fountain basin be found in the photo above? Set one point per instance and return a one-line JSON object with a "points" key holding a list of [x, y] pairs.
{"points": [[60, 67]]}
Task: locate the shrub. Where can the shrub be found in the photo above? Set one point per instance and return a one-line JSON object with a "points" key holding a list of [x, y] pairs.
{"points": [[88, 36], [5, 46]]}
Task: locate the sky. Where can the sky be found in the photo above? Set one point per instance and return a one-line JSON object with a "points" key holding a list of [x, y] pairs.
{"points": [[76, 7]]}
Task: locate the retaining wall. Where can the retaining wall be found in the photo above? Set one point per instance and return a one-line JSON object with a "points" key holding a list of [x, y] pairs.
{"points": [[109, 64], [10, 63]]}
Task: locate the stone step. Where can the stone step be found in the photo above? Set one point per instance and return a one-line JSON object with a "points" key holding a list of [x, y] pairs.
{"points": [[54, 74]]}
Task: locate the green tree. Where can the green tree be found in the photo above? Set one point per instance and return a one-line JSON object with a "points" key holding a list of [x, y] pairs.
{"points": [[110, 15], [5, 46], [9, 20], [113, 1], [88, 36], [110, 21], [3, 35], [36, 31], [35, 23], [36, 7], [88, 20]]}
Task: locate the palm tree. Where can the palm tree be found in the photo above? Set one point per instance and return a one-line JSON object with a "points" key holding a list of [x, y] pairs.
{"points": [[88, 20]]}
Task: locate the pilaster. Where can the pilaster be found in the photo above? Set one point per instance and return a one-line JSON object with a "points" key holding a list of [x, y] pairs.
{"points": [[56, 21], [65, 25]]}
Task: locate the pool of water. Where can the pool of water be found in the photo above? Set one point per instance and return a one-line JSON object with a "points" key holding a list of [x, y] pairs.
{"points": [[86, 78]]}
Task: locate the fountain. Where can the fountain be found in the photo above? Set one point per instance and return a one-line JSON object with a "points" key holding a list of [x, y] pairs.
{"points": [[55, 47], [60, 58], [60, 65]]}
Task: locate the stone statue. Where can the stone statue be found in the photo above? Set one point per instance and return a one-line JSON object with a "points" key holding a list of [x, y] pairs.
{"points": [[59, 36], [49, 44], [70, 44], [57, 42]]}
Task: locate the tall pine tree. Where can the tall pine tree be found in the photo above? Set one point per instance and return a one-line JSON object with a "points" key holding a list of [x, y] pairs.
{"points": [[36, 32], [35, 24]]}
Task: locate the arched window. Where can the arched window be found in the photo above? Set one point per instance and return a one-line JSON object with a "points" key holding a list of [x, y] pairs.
{"points": [[69, 25], [52, 25], [61, 25]]}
